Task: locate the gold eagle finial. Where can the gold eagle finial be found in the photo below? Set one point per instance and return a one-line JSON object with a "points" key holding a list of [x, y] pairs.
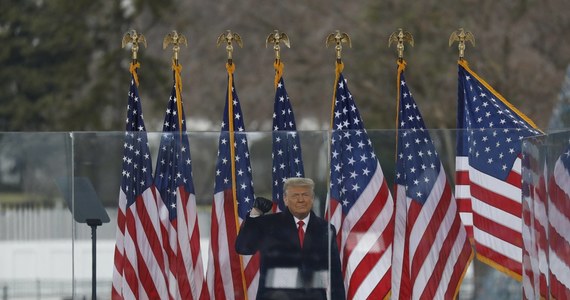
{"points": [[399, 37], [176, 39], [275, 38], [338, 38], [229, 37], [133, 38], [461, 36]]}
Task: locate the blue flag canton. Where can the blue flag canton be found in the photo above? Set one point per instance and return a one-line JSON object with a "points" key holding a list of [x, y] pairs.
{"points": [[353, 161], [243, 174], [418, 164], [174, 165], [137, 167], [286, 152], [494, 131]]}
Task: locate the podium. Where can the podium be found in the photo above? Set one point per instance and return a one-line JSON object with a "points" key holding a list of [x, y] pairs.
{"points": [[85, 209]]}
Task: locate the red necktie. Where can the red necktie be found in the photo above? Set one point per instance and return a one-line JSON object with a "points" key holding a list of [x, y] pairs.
{"points": [[301, 232]]}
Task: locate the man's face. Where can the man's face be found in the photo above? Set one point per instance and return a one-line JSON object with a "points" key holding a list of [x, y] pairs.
{"points": [[299, 200]]}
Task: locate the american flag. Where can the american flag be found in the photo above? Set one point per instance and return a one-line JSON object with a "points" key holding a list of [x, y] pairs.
{"points": [[488, 171], [361, 205], [139, 266], [530, 271], [287, 157], [431, 248], [231, 276], [535, 221], [177, 203], [558, 224]]}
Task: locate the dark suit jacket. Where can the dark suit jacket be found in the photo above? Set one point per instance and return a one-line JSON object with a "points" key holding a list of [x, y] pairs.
{"points": [[275, 237]]}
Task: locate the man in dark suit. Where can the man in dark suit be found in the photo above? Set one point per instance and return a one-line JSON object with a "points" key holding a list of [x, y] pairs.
{"points": [[294, 247]]}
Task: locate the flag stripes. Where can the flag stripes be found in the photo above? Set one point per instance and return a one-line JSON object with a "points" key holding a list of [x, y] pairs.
{"points": [[488, 170], [431, 247], [360, 205], [558, 224], [177, 202], [230, 275], [496, 211], [139, 266], [226, 266], [535, 222]]}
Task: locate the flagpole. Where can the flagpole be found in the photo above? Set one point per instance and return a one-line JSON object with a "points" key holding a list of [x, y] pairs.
{"points": [[133, 38], [399, 37], [229, 37], [176, 39], [338, 38], [461, 36], [276, 37]]}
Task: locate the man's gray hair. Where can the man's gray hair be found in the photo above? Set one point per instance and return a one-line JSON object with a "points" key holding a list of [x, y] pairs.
{"points": [[298, 181]]}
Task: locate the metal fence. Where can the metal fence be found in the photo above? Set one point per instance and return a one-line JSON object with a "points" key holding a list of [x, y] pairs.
{"points": [[28, 222]]}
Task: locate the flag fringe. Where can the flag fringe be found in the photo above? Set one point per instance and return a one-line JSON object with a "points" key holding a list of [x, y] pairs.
{"points": [[465, 64], [278, 65], [133, 69], [230, 67], [469, 261], [178, 86], [338, 69], [499, 267]]}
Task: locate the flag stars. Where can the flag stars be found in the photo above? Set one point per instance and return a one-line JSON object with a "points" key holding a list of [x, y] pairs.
{"points": [[355, 187], [334, 154]]}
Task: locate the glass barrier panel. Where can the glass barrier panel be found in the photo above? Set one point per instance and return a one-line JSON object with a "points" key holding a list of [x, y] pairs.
{"points": [[36, 234], [55, 188]]}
